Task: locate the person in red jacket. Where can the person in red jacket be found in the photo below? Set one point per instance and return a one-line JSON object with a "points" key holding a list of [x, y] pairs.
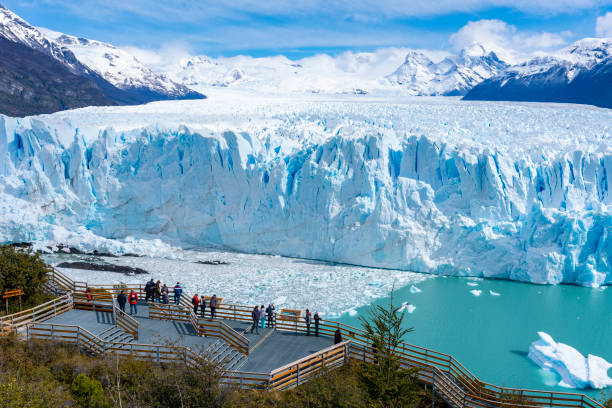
{"points": [[195, 301], [133, 299]]}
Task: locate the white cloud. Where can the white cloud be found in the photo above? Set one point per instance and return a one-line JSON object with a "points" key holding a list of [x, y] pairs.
{"points": [[505, 39], [168, 54], [603, 26]]}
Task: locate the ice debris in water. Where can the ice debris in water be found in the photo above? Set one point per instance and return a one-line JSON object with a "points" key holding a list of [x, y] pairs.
{"points": [[498, 190], [575, 370], [414, 289], [475, 292], [492, 293], [247, 279], [407, 307], [472, 284]]}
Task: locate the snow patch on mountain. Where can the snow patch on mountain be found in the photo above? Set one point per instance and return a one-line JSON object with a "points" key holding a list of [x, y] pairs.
{"points": [[431, 185]]}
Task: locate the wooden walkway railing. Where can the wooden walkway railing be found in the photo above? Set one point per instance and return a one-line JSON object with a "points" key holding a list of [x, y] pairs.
{"points": [[446, 368], [441, 371], [203, 327], [300, 371], [83, 338], [39, 313]]}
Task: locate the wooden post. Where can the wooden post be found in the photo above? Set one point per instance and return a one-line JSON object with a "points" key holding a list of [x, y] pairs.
{"points": [[6, 305], [433, 389], [20, 303]]}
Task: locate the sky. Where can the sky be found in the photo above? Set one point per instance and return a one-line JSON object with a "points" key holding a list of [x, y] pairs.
{"points": [[306, 27]]}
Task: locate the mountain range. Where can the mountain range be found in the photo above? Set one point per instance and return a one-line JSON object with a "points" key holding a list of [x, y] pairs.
{"points": [[42, 71], [580, 73]]}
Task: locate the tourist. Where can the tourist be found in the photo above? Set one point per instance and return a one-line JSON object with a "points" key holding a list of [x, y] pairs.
{"points": [[157, 291], [255, 317], [213, 306], [317, 319], [178, 291], [262, 316], [270, 312], [122, 300], [195, 302], [203, 307], [133, 299], [307, 318], [337, 336], [149, 290], [164, 292], [88, 293]]}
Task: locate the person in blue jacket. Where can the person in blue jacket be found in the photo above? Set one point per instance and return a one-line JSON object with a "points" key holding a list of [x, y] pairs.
{"points": [[178, 291]]}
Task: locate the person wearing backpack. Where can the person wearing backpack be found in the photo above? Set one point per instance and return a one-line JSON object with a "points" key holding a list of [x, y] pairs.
{"points": [[195, 301], [133, 299]]}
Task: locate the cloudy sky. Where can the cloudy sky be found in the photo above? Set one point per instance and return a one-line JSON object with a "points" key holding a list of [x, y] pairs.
{"points": [[306, 27]]}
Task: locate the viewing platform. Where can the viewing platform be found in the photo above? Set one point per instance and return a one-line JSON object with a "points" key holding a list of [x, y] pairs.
{"points": [[279, 357]]}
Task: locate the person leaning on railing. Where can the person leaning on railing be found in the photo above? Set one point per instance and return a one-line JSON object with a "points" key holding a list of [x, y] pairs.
{"points": [[270, 312], [214, 302]]}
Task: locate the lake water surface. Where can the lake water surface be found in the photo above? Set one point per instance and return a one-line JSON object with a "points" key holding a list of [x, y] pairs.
{"points": [[490, 335]]}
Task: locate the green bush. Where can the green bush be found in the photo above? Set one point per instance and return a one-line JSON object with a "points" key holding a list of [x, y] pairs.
{"points": [[88, 391], [22, 269]]}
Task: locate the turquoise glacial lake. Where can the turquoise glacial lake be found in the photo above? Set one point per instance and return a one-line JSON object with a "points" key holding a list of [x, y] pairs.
{"points": [[490, 335]]}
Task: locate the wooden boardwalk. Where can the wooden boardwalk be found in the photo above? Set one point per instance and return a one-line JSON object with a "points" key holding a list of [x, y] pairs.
{"points": [[278, 358]]}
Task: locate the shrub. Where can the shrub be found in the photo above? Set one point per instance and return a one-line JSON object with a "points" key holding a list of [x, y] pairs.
{"points": [[22, 269], [88, 391]]}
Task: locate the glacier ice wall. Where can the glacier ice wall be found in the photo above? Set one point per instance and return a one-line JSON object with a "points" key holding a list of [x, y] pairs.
{"points": [[375, 198]]}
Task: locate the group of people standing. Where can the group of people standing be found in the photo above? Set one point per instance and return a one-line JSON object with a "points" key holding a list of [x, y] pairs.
{"points": [[158, 292], [200, 302], [259, 315]]}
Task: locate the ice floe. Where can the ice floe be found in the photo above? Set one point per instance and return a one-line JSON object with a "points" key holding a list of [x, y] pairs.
{"points": [[575, 370]]}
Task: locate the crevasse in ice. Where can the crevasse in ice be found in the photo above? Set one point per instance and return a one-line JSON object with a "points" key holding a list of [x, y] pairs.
{"points": [[443, 186]]}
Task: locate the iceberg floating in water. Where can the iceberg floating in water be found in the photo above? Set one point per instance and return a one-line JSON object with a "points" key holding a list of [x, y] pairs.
{"points": [[575, 370], [510, 191], [414, 289], [476, 292], [472, 284], [407, 307], [492, 293]]}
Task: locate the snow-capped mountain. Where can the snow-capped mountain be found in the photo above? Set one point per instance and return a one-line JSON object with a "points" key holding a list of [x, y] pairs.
{"points": [[454, 75], [345, 73], [430, 185], [120, 68], [576, 74], [16, 29], [112, 78]]}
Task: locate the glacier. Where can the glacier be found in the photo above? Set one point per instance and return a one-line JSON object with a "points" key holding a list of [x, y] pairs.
{"points": [[437, 185]]}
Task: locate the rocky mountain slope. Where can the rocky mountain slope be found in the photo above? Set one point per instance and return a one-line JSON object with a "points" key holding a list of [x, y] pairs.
{"points": [[580, 73]]}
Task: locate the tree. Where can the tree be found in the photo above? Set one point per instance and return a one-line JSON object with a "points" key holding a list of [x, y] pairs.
{"points": [[385, 380], [22, 269]]}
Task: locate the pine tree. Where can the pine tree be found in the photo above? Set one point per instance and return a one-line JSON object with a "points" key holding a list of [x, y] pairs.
{"points": [[386, 381]]}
